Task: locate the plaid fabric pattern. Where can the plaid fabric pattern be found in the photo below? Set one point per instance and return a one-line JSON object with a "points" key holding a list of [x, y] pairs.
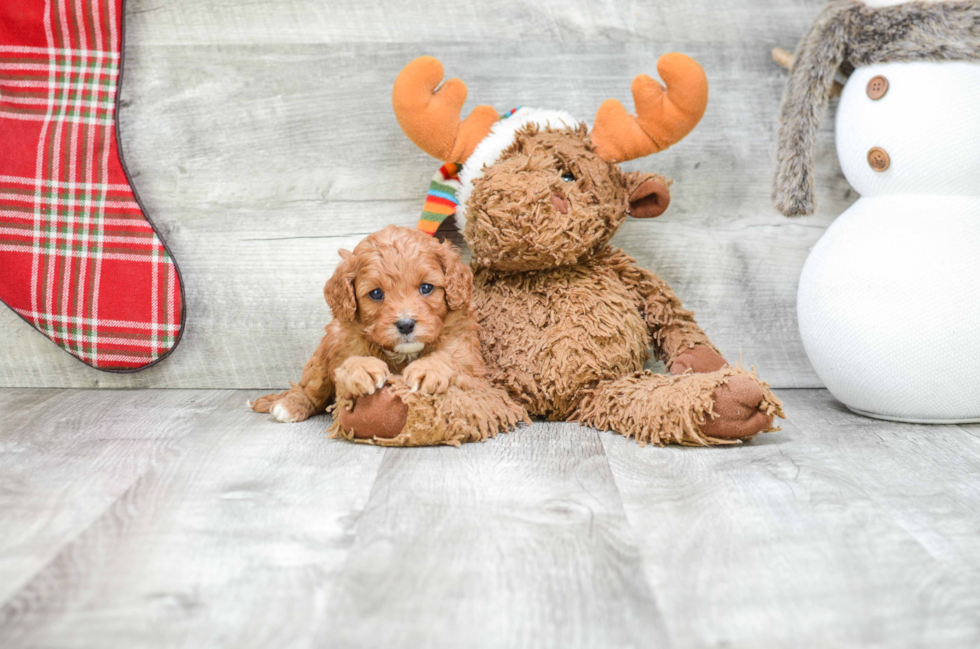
{"points": [[78, 258]]}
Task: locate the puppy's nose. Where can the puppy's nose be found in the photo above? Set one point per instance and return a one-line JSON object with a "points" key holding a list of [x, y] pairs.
{"points": [[405, 326]]}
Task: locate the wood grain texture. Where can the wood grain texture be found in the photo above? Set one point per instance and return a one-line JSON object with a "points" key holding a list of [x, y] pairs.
{"points": [[261, 139], [65, 458], [517, 542], [840, 531], [192, 22], [233, 542], [179, 518]]}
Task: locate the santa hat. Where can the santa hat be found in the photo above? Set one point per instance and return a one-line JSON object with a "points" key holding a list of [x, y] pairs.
{"points": [[451, 186]]}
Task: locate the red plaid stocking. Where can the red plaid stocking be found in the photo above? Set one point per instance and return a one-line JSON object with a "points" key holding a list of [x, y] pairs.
{"points": [[79, 260]]}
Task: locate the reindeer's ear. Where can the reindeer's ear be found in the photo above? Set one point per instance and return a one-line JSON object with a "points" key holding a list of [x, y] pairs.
{"points": [[649, 194], [339, 289], [459, 277]]}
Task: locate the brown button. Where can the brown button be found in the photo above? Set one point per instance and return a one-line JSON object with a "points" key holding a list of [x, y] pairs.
{"points": [[877, 87], [878, 158]]}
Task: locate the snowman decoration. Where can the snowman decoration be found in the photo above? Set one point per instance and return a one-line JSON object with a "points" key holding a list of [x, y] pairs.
{"points": [[889, 298]]}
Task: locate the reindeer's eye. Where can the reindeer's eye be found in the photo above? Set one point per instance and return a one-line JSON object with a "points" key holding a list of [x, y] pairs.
{"points": [[377, 295], [425, 289], [568, 177]]}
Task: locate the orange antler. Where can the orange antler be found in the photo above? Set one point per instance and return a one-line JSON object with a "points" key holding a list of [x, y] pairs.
{"points": [[663, 118], [430, 117]]}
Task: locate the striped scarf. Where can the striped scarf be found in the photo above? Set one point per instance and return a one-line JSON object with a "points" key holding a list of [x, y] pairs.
{"points": [[442, 199]]}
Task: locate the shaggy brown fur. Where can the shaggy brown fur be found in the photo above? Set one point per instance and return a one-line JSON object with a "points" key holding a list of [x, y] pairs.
{"points": [[453, 417], [566, 321], [550, 334], [662, 409], [848, 34], [363, 347], [549, 233]]}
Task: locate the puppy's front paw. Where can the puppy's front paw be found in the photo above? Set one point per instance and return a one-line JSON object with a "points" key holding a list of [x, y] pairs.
{"points": [[360, 375], [265, 403], [282, 412], [428, 376], [288, 407]]}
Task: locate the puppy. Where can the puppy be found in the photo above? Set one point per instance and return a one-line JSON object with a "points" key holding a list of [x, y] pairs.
{"points": [[401, 305]]}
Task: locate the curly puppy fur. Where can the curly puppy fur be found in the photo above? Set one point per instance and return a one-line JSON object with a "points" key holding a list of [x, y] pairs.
{"points": [[364, 347], [566, 321], [849, 34]]}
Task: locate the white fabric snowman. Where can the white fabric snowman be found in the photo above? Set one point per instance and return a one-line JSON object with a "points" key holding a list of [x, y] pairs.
{"points": [[889, 298]]}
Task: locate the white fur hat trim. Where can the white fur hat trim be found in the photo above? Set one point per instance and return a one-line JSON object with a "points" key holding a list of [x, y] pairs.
{"points": [[500, 137]]}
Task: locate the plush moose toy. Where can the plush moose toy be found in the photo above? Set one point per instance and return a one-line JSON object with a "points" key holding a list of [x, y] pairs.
{"points": [[567, 321]]}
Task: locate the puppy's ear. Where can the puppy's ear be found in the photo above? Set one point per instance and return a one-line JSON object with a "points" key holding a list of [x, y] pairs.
{"points": [[339, 289], [459, 277], [649, 194]]}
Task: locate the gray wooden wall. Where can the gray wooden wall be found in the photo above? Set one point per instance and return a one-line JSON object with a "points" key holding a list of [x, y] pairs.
{"points": [[261, 139]]}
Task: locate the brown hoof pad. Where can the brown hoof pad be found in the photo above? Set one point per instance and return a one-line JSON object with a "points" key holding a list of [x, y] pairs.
{"points": [[381, 414], [736, 404], [698, 359]]}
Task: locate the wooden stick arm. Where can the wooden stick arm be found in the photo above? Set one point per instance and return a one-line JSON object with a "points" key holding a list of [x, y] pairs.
{"points": [[785, 59], [782, 57]]}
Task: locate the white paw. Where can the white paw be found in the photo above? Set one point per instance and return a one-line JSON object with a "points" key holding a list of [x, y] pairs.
{"points": [[282, 413]]}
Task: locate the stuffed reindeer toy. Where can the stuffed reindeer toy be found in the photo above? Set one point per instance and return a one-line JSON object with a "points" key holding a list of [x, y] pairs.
{"points": [[567, 321]]}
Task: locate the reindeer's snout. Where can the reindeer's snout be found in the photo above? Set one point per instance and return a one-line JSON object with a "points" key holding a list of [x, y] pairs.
{"points": [[560, 202]]}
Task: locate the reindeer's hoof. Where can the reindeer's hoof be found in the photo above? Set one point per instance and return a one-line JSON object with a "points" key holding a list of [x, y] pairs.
{"points": [[736, 404], [700, 359], [381, 414]]}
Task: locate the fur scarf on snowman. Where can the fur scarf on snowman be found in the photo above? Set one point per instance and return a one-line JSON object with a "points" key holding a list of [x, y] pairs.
{"points": [[849, 34]]}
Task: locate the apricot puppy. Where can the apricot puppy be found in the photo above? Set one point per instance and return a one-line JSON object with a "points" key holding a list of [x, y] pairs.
{"points": [[401, 305]]}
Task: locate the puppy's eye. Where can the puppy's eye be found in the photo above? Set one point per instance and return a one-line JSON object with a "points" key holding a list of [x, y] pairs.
{"points": [[425, 289], [377, 295], [568, 177]]}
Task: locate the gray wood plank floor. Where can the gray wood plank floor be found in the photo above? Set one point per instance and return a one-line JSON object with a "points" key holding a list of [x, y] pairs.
{"points": [[179, 518], [261, 139]]}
